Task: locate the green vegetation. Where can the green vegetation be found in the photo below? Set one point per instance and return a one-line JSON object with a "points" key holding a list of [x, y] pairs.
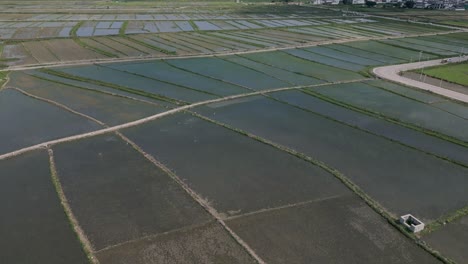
{"points": [[123, 28], [445, 220], [194, 26], [66, 207], [3, 78], [75, 29], [455, 73]]}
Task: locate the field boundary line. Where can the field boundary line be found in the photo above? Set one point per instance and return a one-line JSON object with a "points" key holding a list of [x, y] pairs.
{"points": [[445, 220], [7, 80], [157, 116], [388, 118], [153, 57], [85, 243], [431, 104], [58, 105], [367, 131], [195, 196], [94, 90], [182, 229], [391, 73], [266, 210], [354, 188]]}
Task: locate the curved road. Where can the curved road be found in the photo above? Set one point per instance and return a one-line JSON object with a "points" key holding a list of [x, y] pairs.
{"points": [[391, 73]]}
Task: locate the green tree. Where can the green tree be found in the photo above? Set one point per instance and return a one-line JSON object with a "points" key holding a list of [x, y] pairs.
{"points": [[409, 4], [370, 3]]}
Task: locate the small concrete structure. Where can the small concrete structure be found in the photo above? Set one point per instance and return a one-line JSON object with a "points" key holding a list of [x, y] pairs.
{"points": [[412, 223]]}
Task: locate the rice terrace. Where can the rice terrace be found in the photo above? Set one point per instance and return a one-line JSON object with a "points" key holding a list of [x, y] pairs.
{"points": [[137, 132]]}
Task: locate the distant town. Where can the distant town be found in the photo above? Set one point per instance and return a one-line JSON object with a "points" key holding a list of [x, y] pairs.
{"points": [[423, 4]]}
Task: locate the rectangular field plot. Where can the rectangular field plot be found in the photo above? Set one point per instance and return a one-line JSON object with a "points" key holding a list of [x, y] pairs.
{"points": [[161, 70], [117, 195], [287, 76], [297, 37], [384, 59], [454, 48], [380, 48], [447, 39], [375, 125], [39, 121], [39, 51], [232, 37], [221, 42], [122, 48], [207, 243], [303, 54], [424, 48], [460, 110], [257, 35], [221, 45], [229, 72], [413, 93], [16, 54], [201, 44], [326, 51], [327, 231], [34, 226], [155, 44], [290, 63], [400, 178], [235, 173], [62, 47], [398, 107], [135, 82], [53, 77], [451, 239], [109, 109]]}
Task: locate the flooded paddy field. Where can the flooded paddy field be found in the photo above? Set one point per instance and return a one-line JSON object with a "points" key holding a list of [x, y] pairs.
{"points": [[248, 175], [389, 176], [39, 122], [207, 243], [398, 107], [34, 226], [109, 109], [104, 199], [217, 135], [93, 40], [326, 231], [451, 239], [375, 125]]}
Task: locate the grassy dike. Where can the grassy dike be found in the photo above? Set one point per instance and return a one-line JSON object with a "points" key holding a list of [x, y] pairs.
{"points": [[114, 86], [347, 182]]}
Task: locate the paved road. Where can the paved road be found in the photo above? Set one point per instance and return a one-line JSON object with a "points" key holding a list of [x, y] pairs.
{"points": [[391, 73]]}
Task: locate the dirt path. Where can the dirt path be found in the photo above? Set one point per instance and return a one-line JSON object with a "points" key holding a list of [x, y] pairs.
{"points": [[157, 116], [153, 57], [391, 73]]}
